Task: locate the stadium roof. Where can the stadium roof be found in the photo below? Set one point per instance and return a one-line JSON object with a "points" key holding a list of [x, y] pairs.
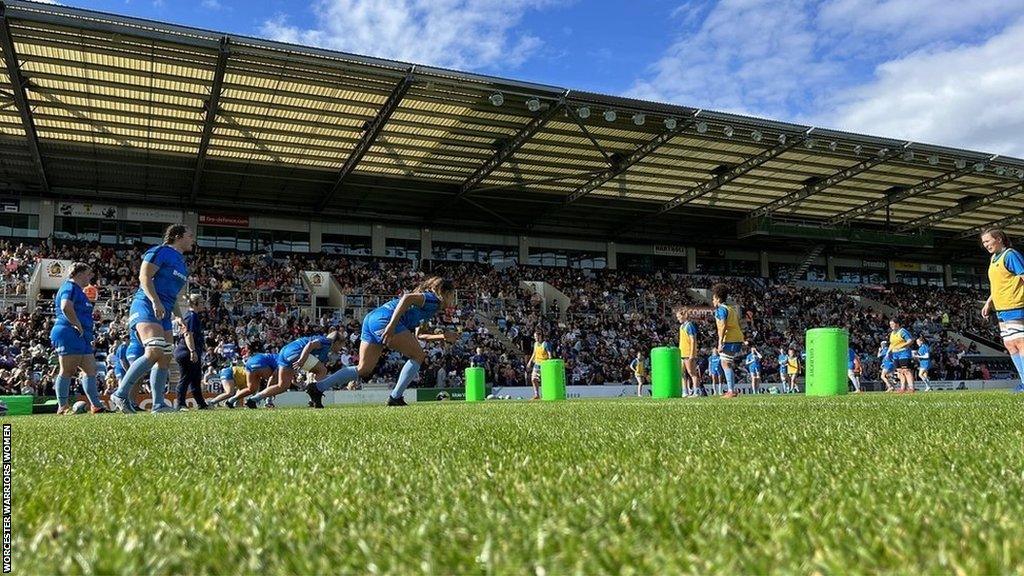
{"points": [[106, 107]]}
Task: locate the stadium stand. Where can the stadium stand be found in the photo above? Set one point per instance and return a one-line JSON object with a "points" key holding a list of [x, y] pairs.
{"points": [[257, 302]]}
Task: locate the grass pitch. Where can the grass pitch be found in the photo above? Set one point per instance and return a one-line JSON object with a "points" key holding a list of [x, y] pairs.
{"points": [[927, 483]]}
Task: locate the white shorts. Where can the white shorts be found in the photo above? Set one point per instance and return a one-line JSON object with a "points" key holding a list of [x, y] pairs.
{"points": [[1011, 330]]}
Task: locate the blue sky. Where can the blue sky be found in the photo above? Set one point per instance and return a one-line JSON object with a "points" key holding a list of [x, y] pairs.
{"points": [[936, 71]]}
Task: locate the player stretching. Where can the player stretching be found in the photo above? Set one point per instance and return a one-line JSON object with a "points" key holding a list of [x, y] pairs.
{"points": [[688, 351], [162, 277], [259, 369], [310, 354], [398, 325], [231, 379], [900, 341], [730, 335], [753, 363], [542, 351], [924, 362], [1006, 276], [639, 368]]}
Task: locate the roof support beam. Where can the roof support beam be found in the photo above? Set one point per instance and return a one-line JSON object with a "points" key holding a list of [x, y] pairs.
{"points": [[899, 196], [1001, 223], [212, 109], [370, 133], [962, 207], [18, 84], [508, 148], [621, 164], [729, 175], [811, 189]]}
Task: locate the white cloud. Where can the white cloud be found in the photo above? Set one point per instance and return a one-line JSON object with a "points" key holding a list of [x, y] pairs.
{"points": [[211, 4], [966, 96], [910, 23], [743, 56], [464, 34], [924, 70]]}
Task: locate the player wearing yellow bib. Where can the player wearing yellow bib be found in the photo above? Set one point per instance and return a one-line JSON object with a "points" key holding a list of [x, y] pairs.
{"points": [[1006, 277], [688, 351], [639, 368], [232, 379], [900, 343], [730, 335], [542, 351], [792, 370]]}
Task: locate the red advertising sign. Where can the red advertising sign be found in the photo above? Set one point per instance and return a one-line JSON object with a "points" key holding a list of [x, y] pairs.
{"points": [[224, 220]]}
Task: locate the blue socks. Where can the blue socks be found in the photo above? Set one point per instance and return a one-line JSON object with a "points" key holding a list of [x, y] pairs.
{"points": [[91, 390], [730, 377], [141, 365], [409, 372], [158, 384], [1018, 361], [339, 378], [62, 387]]}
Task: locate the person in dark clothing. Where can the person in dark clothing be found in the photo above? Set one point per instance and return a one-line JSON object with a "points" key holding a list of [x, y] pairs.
{"points": [[189, 354]]}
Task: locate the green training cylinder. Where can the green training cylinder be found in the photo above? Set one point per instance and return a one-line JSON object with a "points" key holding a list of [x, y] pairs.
{"points": [[20, 405], [666, 376], [827, 350], [552, 379], [476, 390]]}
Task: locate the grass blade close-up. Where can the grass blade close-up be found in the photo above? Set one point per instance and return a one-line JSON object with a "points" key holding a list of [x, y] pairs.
{"points": [[871, 483]]}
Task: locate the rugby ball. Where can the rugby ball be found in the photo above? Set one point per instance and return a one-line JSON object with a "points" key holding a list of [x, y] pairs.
{"points": [[80, 407]]}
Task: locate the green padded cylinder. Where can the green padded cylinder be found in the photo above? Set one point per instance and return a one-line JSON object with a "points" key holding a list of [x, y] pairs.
{"points": [[552, 379], [475, 388], [827, 350], [666, 378], [18, 405]]}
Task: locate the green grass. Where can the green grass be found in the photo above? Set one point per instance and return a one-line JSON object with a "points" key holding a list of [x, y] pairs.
{"points": [[855, 484]]}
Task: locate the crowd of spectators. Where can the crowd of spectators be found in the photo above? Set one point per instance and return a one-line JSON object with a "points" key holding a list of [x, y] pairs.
{"points": [[257, 303], [18, 260], [954, 307]]}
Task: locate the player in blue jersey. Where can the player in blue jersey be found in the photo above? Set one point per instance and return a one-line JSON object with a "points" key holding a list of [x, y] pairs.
{"points": [[715, 372], [753, 364], [72, 338], [126, 352], [162, 277], [261, 371], [310, 354], [853, 369], [900, 342], [398, 325], [887, 366], [782, 359], [923, 355], [117, 354]]}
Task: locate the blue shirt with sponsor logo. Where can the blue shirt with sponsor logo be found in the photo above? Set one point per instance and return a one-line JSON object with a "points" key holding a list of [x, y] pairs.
{"points": [[83, 307], [171, 275], [416, 315]]}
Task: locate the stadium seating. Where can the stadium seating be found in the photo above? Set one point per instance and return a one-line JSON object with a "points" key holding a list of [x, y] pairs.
{"points": [[257, 302]]}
